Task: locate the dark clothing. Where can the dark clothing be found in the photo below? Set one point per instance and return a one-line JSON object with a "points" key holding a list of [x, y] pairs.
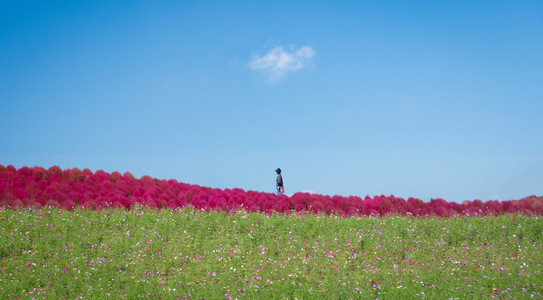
{"points": [[279, 180]]}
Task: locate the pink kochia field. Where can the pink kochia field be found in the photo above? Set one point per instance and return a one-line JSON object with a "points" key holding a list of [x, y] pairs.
{"points": [[71, 188]]}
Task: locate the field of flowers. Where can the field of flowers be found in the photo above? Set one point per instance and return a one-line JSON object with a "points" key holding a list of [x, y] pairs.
{"points": [[51, 253], [68, 234], [71, 188]]}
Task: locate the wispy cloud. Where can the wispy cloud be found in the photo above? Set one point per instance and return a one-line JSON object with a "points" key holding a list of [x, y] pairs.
{"points": [[279, 61]]}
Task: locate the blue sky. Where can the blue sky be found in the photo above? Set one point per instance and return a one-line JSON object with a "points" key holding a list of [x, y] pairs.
{"points": [[419, 99]]}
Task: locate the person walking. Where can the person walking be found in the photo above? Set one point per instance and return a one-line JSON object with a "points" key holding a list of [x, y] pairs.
{"points": [[279, 182]]}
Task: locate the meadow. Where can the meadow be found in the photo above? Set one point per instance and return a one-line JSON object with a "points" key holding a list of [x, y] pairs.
{"points": [[78, 234], [53, 253]]}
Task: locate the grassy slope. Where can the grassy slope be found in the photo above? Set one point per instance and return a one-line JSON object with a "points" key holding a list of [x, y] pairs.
{"points": [[125, 254]]}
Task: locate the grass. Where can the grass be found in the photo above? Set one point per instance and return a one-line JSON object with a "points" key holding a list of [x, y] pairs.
{"points": [[143, 253]]}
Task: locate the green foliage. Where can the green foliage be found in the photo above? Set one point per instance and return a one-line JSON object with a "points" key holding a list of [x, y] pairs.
{"points": [[51, 253]]}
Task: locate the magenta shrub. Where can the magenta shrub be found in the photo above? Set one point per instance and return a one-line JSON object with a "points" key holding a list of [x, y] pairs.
{"points": [[71, 188]]}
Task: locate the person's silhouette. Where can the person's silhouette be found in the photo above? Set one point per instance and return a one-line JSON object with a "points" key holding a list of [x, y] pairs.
{"points": [[279, 182]]}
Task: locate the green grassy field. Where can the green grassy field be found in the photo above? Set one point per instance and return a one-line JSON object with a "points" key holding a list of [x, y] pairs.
{"points": [[143, 253]]}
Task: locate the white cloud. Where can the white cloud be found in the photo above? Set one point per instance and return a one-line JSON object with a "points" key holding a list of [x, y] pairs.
{"points": [[280, 61]]}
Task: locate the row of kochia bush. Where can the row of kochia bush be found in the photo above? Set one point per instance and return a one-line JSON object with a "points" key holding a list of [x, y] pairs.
{"points": [[70, 188]]}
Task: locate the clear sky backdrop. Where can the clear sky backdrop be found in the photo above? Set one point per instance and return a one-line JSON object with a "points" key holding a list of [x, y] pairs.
{"points": [[419, 99]]}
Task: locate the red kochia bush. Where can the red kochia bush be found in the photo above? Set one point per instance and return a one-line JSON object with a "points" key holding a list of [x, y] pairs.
{"points": [[71, 188]]}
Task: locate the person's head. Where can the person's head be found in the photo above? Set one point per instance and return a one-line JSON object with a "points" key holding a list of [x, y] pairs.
{"points": [[278, 171]]}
